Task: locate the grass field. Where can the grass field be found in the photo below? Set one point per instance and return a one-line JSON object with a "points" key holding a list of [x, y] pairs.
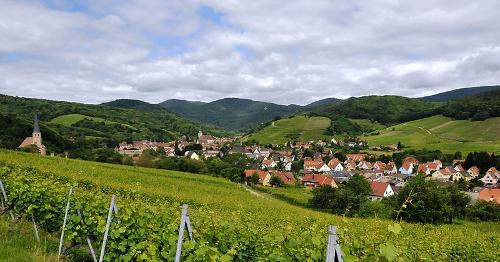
{"points": [[18, 242], [228, 220], [70, 119], [368, 124], [292, 195], [443, 133], [296, 128]]}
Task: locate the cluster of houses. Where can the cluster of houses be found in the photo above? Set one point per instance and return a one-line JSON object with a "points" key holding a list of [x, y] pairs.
{"points": [[210, 146], [385, 178]]}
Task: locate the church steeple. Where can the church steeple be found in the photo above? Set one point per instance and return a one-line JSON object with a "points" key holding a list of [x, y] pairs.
{"points": [[36, 125]]}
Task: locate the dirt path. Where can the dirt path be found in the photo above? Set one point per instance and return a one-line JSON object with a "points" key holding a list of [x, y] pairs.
{"points": [[253, 192], [426, 130], [441, 126]]}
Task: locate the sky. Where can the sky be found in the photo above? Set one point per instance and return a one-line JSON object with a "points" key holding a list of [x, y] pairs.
{"points": [[281, 51]]}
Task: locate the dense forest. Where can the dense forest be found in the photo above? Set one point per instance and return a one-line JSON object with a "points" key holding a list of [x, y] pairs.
{"points": [[475, 108]]}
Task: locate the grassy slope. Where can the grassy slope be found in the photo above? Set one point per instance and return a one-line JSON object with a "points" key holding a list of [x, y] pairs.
{"points": [[443, 133], [18, 242], [70, 119], [307, 128], [219, 198]]}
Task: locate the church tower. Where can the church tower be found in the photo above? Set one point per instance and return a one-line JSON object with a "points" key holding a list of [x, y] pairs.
{"points": [[37, 135], [36, 138]]}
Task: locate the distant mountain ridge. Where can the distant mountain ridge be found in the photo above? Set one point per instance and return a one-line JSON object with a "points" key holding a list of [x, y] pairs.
{"points": [[460, 93], [238, 114], [231, 113]]}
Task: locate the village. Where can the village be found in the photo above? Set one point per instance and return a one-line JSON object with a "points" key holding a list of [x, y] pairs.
{"points": [[312, 164]]}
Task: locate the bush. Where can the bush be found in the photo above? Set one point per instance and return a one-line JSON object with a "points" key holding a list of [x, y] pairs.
{"points": [[484, 211]]}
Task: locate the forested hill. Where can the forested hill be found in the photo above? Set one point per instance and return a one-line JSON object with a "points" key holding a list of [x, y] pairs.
{"points": [[386, 110], [231, 113], [460, 93], [137, 105], [478, 107], [75, 126]]}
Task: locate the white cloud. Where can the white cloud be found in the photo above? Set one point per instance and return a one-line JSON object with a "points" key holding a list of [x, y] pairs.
{"points": [[279, 51]]}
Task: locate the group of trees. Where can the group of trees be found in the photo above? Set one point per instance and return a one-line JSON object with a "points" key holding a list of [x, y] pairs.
{"points": [[476, 108], [347, 199], [230, 166], [419, 201], [482, 160]]}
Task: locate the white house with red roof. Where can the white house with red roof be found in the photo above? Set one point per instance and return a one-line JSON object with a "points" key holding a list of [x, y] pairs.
{"points": [[406, 168], [335, 165], [390, 168], [268, 164], [489, 179], [380, 190], [365, 165], [473, 171]]}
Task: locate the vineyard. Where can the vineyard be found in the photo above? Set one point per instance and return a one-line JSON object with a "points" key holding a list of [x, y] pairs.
{"points": [[229, 223]]}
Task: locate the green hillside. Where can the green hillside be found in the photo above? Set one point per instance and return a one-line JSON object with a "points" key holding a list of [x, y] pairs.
{"points": [[386, 110], [443, 133], [230, 223], [66, 125], [231, 113], [300, 128], [460, 93]]}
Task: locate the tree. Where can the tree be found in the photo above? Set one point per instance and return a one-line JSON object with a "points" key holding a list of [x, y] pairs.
{"points": [[458, 201], [423, 201], [484, 211], [253, 179], [345, 200], [232, 173], [359, 185], [323, 197], [276, 181]]}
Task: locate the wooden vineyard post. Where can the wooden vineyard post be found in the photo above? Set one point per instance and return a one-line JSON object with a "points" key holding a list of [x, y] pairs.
{"points": [[333, 252], [4, 199], [185, 223], [112, 209], [65, 220]]}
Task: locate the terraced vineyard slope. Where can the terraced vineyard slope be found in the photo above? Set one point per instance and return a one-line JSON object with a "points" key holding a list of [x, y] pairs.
{"points": [[295, 128], [230, 223], [443, 133]]}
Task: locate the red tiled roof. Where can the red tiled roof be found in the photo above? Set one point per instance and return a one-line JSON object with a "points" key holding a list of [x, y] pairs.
{"points": [[406, 165], [378, 188], [334, 163], [262, 174], [488, 194], [319, 179], [356, 157], [410, 159], [313, 163], [286, 177]]}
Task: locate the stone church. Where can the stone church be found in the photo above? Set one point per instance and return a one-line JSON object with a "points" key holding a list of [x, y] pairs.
{"points": [[35, 139]]}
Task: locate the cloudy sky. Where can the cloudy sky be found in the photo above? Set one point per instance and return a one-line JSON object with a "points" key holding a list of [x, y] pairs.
{"points": [[278, 51]]}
